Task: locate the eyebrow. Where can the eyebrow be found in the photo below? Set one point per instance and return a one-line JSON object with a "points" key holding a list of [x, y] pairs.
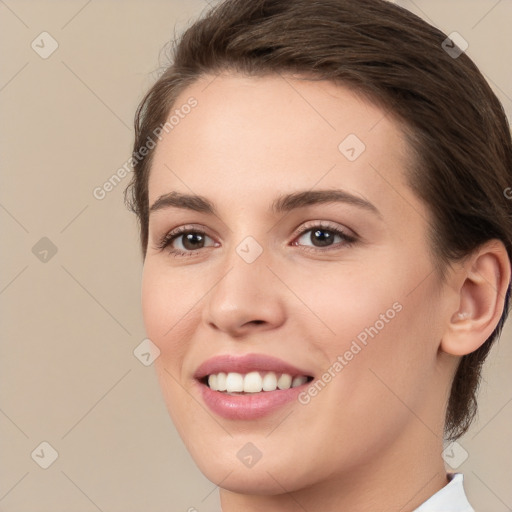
{"points": [[282, 204]]}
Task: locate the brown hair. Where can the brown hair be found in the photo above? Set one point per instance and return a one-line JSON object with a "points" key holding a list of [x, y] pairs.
{"points": [[455, 125]]}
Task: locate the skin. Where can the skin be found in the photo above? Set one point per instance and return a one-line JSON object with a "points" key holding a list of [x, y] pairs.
{"points": [[356, 445]]}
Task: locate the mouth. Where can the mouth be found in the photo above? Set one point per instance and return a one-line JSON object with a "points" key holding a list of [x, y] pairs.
{"points": [[250, 386], [253, 382]]}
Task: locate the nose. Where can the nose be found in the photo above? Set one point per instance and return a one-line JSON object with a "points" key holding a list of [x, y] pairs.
{"points": [[247, 296]]}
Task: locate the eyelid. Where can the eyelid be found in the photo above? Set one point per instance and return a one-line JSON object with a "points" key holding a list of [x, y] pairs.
{"points": [[325, 224], [164, 240]]}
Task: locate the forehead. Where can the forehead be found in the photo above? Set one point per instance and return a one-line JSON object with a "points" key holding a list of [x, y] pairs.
{"points": [[250, 137]]}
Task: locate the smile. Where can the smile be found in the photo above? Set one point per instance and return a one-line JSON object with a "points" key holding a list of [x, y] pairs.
{"points": [[250, 386], [253, 382]]}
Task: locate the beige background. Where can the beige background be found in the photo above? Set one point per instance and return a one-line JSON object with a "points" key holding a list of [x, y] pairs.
{"points": [[69, 325]]}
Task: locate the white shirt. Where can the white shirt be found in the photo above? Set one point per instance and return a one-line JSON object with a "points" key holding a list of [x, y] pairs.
{"points": [[451, 498]]}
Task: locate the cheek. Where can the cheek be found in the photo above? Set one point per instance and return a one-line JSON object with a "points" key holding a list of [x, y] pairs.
{"points": [[169, 319], [371, 325], [346, 302], [168, 300], [168, 313], [156, 303]]}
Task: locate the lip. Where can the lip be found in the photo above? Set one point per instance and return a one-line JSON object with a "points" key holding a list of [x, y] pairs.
{"points": [[248, 406], [245, 364]]}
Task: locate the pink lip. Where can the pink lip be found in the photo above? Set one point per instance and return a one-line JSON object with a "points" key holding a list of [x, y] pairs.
{"points": [[247, 363], [248, 406]]}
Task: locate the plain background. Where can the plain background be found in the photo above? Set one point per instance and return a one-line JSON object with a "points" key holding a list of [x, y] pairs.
{"points": [[71, 320]]}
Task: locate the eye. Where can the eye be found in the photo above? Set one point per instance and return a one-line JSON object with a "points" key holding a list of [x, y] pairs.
{"points": [[324, 235], [191, 240]]}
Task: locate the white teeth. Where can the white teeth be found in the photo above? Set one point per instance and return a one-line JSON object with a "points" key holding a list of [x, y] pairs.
{"points": [[297, 381], [234, 382], [253, 382], [221, 381], [270, 382], [212, 382], [285, 381]]}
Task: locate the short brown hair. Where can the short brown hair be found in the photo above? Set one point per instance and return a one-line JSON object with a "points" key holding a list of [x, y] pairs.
{"points": [[455, 125]]}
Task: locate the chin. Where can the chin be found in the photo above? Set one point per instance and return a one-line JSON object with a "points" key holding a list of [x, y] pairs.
{"points": [[268, 476], [252, 481]]}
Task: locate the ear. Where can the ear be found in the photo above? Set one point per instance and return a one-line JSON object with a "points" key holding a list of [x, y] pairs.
{"points": [[482, 283]]}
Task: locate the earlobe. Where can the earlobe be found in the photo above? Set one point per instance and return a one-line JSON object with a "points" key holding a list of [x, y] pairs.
{"points": [[482, 283]]}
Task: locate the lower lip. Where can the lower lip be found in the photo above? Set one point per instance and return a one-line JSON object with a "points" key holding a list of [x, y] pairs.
{"points": [[249, 406]]}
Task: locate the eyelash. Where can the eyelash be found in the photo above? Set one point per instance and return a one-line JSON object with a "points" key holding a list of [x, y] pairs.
{"points": [[167, 239]]}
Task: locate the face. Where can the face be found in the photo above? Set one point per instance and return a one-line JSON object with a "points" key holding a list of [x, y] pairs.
{"points": [[342, 290]]}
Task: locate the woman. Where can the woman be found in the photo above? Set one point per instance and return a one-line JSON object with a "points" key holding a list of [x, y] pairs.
{"points": [[326, 237]]}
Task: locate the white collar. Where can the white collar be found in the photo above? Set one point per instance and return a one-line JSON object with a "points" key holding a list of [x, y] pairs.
{"points": [[451, 498]]}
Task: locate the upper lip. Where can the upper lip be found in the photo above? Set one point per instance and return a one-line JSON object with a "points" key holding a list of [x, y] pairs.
{"points": [[245, 364]]}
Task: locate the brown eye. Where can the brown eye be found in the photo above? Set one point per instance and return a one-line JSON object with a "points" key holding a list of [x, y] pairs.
{"points": [[324, 236], [191, 241]]}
